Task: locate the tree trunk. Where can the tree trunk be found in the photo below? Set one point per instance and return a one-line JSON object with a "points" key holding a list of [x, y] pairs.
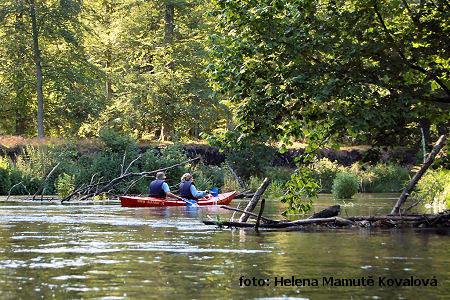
{"points": [[168, 30], [161, 136], [169, 26], [440, 143], [109, 90], [251, 205], [37, 60]]}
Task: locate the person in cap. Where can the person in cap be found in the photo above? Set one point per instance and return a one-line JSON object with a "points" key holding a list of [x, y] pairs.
{"points": [[159, 188], [188, 189]]}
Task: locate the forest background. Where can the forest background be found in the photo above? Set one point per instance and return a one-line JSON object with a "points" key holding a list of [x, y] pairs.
{"points": [[244, 75]]}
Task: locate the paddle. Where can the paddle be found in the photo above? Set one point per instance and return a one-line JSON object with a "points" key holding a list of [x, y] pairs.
{"points": [[190, 203]]}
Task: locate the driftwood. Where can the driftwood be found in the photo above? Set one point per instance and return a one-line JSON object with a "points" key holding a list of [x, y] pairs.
{"points": [[440, 143], [251, 215], [331, 211], [425, 220], [336, 220], [17, 184], [258, 219], [251, 205]]}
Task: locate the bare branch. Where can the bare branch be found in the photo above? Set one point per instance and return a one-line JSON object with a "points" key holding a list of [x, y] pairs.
{"points": [[45, 181]]}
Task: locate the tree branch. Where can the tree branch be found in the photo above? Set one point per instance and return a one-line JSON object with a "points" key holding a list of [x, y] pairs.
{"points": [[402, 55]]}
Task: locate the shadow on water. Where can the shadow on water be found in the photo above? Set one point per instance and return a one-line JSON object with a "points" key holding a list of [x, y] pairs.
{"points": [[106, 251]]}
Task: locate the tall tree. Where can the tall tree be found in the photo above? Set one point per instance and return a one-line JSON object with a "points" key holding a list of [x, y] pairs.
{"points": [[37, 61], [359, 66], [314, 69], [63, 76]]}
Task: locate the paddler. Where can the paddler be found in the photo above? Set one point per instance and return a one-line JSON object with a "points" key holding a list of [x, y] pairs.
{"points": [[188, 189], [159, 188]]}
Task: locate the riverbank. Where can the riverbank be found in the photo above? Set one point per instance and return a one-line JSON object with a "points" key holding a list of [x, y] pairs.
{"points": [[13, 146]]}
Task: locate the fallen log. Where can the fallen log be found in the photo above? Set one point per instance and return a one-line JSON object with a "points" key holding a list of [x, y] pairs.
{"points": [[252, 215], [251, 205], [426, 220], [258, 219], [440, 143], [331, 211], [335, 220]]}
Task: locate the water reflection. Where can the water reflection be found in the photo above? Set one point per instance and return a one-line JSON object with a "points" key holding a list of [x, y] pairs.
{"points": [[106, 251]]}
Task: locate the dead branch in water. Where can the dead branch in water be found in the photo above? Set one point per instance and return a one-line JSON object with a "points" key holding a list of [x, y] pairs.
{"points": [[42, 187], [252, 215], [17, 184], [251, 205], [102, 186], [440, 220], [323, 218], [440, 143]]}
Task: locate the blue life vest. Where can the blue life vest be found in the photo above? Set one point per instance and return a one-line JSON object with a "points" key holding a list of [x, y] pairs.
{"points": [[185, 190], [156, 189]]}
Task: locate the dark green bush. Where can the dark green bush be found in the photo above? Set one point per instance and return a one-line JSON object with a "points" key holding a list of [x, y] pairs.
{"points": [[165, 157], [325, 171], [5, 181], [386, 178], [280, 174], [115, 141], [208, 177], [251, 159], [345, 185]]}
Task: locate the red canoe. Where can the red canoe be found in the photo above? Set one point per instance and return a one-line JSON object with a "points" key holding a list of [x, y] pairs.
{"points": [[140, 201]]}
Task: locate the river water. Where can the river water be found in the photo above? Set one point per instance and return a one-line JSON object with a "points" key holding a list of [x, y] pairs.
{"points": [[104, 251]]}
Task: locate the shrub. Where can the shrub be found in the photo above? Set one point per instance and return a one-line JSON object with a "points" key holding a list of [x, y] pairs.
{"points": [[155, 159], [384, 178], [281, 174], [250, 159], [435, 187], [324, 171], [208, 177], [345, 185], [229, 182], [64, 185], [5, 180], [116, 142]]}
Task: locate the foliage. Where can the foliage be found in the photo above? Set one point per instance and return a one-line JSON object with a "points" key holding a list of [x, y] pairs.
{"points": [[229, 182], [167, 156], [435, 187], [300, 199], [109, 64], [115, 141], [345, 185], [208, 177], [300, 69], [381, 178], [5, 181], [324, 171], [64, 186], [250, 159], [71, 87], [290, 65], [280, 174]]}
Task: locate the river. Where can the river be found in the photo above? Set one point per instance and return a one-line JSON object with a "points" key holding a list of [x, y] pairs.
{"points": [[103, 251]]}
